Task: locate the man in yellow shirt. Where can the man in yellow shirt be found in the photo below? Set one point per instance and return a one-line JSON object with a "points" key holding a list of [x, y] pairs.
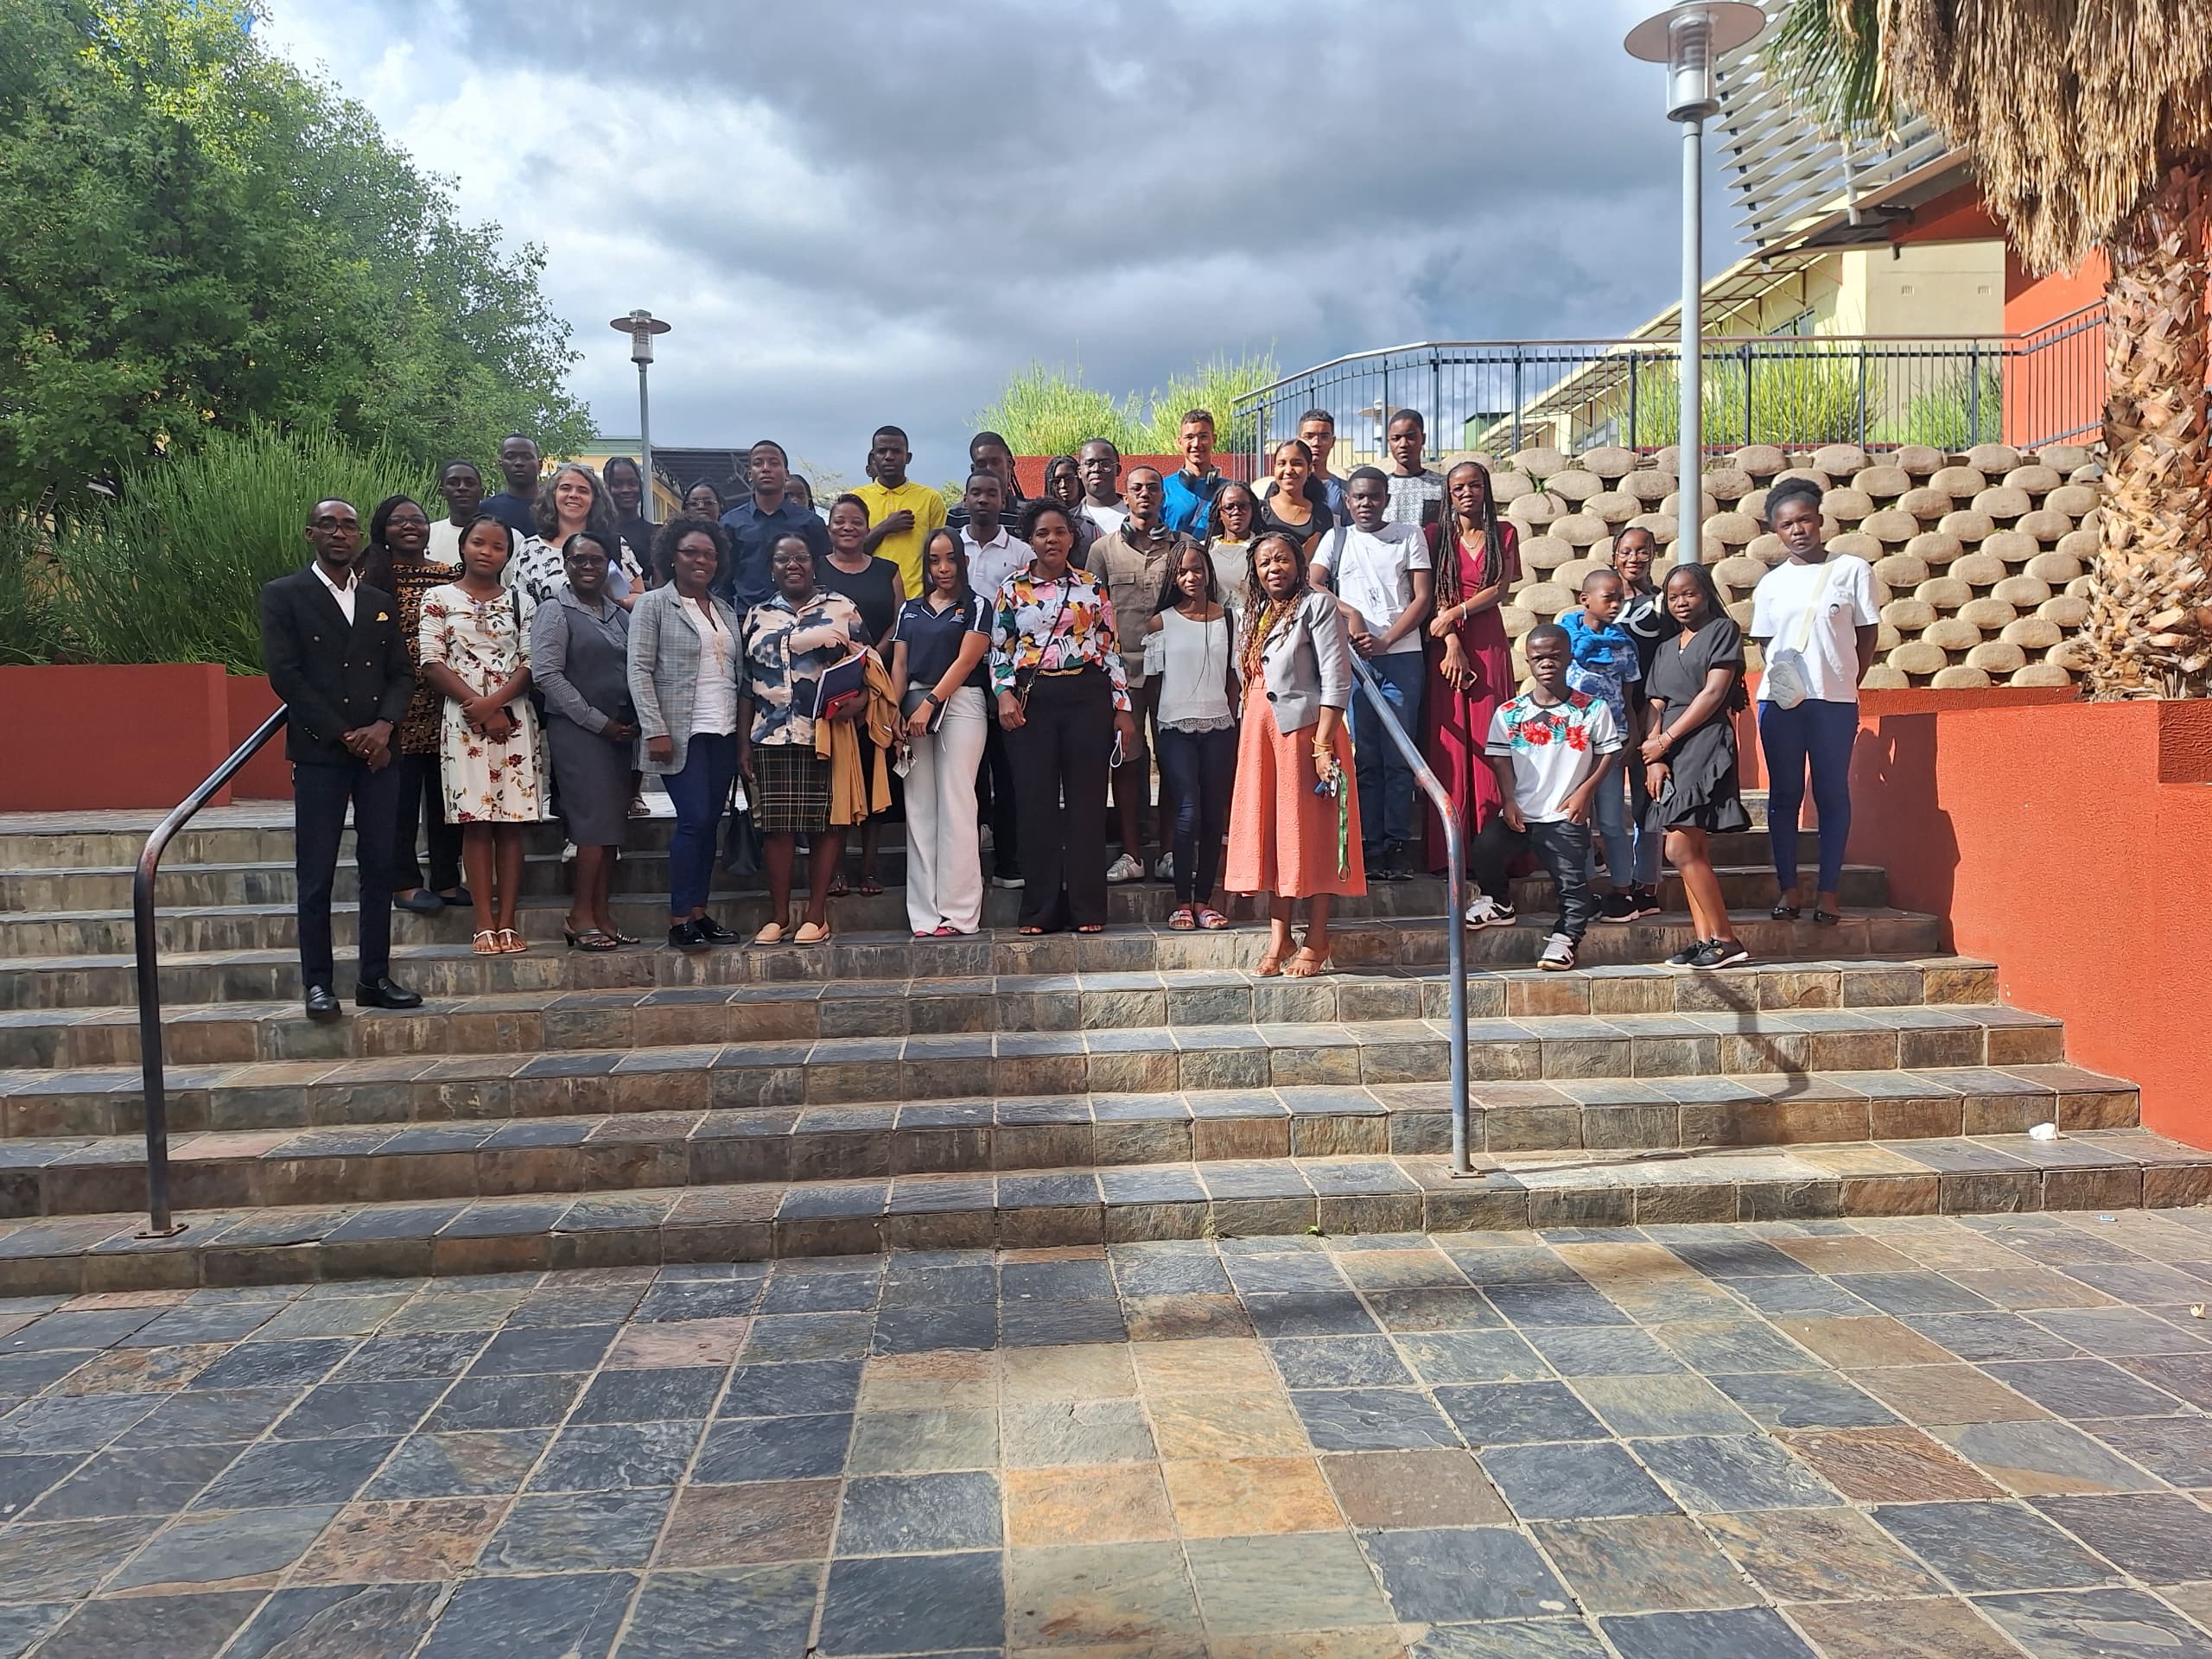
{"points": [[900, 513]]}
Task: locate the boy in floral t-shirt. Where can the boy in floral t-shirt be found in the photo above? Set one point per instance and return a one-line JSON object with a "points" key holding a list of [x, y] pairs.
{"points": [[1551, 750]]}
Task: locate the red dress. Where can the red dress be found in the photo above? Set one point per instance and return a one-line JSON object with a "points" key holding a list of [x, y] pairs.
{"points": [[1456, 723]]}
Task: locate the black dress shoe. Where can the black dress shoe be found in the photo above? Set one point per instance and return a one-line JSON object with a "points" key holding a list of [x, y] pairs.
{"points": [[713, 931], [422, 901], [688, 936], [322, 1003], [385, 992], [460, 900]]}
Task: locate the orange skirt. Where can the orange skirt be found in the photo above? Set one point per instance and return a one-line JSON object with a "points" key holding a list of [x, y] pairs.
{"points": [[1283, 838]]}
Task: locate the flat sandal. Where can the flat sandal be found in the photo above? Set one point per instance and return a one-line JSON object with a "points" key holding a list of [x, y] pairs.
{"points": [[486, 943]]}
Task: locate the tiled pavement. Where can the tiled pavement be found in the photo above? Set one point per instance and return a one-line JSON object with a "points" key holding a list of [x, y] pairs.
{"points": [[1958, 1437]]}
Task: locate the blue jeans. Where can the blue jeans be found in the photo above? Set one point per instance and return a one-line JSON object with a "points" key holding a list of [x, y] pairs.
{"points": [[1613, 829], [1197, 771], [699, 793], [1386, 781], [1819, 736]]}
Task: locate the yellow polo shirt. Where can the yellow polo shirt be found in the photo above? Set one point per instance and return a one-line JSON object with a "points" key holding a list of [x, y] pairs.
{"points": [[905, 550]]}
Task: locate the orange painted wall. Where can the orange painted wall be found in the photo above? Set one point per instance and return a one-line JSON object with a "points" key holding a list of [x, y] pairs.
{"points": [[85, 737], [268, 776], [2062, 841]]}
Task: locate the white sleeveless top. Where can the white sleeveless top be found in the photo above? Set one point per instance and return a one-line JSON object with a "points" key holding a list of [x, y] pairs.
{"points": [[1193, 661]]}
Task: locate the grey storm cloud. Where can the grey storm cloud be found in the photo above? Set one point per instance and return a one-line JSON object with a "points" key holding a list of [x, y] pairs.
{"points": [[858, 212]]}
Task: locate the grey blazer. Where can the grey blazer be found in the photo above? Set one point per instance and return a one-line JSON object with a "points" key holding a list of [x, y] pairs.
{"points": [[665, 671], [1307, 663]]}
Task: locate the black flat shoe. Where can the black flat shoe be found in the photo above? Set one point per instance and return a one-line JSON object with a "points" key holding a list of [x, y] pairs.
{"points": [[322, 1004], [459, 900], [1783, 911], [1826, 918], [385, 992], [687, 937], [713, 931], [422, 901]]}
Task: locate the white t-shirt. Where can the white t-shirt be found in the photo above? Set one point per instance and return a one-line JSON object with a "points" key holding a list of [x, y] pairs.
{"points": [[1842, 590], [1108, 519], [1554, 748], [1372, 572]]}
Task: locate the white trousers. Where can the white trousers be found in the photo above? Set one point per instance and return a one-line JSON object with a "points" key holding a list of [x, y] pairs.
{"points": [[944, 854]]}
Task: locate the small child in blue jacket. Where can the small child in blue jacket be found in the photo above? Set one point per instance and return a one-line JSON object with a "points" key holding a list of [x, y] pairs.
{"points": [[1605, 665]]}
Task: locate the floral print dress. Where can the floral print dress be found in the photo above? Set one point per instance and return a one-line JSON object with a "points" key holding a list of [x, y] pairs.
{"points": [[483, 641]]}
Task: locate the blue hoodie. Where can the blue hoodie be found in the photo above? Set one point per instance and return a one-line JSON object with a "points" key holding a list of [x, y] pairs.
{"points": [[1605, 661]]}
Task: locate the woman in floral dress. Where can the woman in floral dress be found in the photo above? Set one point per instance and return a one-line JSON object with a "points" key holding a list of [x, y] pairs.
{"points": [[474, 647]]}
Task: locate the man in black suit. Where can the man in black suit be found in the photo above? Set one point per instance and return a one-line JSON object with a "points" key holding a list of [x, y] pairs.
{"points": [[337, 659]]}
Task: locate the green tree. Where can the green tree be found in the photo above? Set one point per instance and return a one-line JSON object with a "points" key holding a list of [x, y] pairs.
{"points": [[200, 238]]}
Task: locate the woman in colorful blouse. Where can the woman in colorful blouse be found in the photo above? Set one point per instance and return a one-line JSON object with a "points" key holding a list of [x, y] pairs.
{"points": [[1063, 699], [790, 640]]}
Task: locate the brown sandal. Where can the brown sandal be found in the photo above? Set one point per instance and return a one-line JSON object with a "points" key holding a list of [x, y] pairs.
{"points": [[511, 944], [1271, 967], [1305, 963]]}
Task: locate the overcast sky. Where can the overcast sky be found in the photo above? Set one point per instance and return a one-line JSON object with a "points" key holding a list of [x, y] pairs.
{"points": [[855, 212]]}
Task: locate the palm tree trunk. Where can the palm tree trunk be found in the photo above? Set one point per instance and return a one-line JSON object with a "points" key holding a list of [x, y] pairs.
{"points": [[2149, 632]]}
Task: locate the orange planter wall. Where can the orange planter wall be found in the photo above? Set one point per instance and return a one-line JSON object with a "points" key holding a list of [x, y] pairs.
{"points": [[2065, 843], [268, 776], [83, 737]]}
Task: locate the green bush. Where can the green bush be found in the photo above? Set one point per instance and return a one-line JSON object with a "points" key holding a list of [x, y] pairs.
{"points": [[1794, 401], [1947, 417], [171, 570], [30, 630], [1215, 385], [1043, 411]]}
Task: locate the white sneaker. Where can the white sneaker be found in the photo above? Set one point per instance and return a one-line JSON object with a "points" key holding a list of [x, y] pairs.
{"points": [[1487, 911], [1165, 870], [1558, 954], [1124, 868], [569, 852], [1005, 881]]}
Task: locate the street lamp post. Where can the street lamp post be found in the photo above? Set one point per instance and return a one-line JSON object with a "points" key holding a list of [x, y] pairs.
{"points": [[641, 325], [1688, 39]]}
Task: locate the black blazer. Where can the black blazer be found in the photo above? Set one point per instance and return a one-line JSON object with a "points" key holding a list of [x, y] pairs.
{"points": [[332, 678]]}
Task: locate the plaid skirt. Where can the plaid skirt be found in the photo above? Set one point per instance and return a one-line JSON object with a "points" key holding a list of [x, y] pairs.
{"points": [[790, 790]]}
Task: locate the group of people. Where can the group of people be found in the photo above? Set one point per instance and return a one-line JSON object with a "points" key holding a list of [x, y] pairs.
{"points": [[1010, 668]]}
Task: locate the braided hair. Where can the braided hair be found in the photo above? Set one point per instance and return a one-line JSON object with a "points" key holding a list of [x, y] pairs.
{"points": [[1263, 612], [1448, 593]]}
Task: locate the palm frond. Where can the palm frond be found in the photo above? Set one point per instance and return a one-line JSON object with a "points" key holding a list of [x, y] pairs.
{"points": [[1826, 55]]}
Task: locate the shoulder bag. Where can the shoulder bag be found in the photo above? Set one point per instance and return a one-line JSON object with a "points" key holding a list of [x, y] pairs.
{"points": [[1788, 680]]}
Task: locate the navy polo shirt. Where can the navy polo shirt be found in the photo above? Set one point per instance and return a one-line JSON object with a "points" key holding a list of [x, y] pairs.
{"points": [[933, 639], [753, 535], [516, 514]]}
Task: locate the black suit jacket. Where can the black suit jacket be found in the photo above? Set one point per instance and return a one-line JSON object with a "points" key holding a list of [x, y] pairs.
{"points": [[333, 676]]}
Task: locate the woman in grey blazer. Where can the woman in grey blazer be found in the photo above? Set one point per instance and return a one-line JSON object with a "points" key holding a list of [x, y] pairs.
{"points": [[1293, 821], [684, 653]]}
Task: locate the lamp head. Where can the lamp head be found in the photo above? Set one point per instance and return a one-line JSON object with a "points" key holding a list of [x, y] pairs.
{"points": [[1689, 39], [641, 325]]}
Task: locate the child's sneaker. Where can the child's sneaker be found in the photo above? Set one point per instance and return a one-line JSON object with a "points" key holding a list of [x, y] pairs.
{"points": [[1123, 869], [1619, 905], [1647, 900], [1558, 954], [1487, 911]]}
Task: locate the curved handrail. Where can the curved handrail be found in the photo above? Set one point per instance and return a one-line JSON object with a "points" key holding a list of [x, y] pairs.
{"points": [[152, 1084], [1455, 879]]}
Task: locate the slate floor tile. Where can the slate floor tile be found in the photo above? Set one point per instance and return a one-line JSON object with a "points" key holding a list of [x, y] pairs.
{"points": [[905, 1514], [1948, 1628], [1888, 1465], [566, 1615], [774, 1448], [804, 1389], [1430, 1489], [905, 1442], [1639, 1564], [1803, 1400], [2083, 1387], [1643, 1405], [1510, 1414], [2160, 1537], [229, 1549], [572, 1532], [761, 1521], [466, 1464], [505, 1402], [617, 1457], [1751, 1633], [138, 1481], [67, 1558], [2177, 1449], [1105, 1504], [1716, 1345], [1463, 1574], [2097, 1624], [296, 1472], [1304, 1581], [1370, 1420], [646, 1396], [1340, 1363], [1830, 1554], [344, 1621], [1092, 1595], [418, 1539], [739, 1612], [1045, 1433], [1473, 1357], [152, 1627], [381, 1409], [1573, 1482], [2038, 1458], [1719, 1474], [1992, 1547], [1230, 1497]]}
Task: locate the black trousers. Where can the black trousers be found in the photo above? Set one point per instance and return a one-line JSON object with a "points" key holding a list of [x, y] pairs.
{"points": [[994, 780], [1565, 850], [1060, 756], [320, 795], [423, 799]]}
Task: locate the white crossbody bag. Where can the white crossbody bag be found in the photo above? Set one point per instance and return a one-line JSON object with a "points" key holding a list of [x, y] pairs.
{"points": [[1788, 681]]}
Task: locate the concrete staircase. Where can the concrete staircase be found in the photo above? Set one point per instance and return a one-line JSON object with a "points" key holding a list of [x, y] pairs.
{"points": [[558, 1108]]}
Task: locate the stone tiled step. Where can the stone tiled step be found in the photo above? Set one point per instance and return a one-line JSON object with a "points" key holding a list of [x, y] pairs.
{"points": [[875, 1071], [265, 925], [640, 870], [799, 1010], [106, 979], [359, 1162], [761, 1220]]}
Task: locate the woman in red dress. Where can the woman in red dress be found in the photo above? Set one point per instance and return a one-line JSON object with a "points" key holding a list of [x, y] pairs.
{"points": [[1477, 561]]}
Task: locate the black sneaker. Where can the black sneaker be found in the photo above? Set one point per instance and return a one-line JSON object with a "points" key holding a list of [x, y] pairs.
{"points": [[1647, 900], [1688, 955], [1619, 906], [1722, 953]]}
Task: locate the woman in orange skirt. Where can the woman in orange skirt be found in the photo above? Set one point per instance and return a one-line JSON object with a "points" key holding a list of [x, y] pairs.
{"points": [[1293, 821]]}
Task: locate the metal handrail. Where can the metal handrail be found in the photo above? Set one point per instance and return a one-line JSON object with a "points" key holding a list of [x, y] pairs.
{"points": [[1455, 933], [154, 1084]]}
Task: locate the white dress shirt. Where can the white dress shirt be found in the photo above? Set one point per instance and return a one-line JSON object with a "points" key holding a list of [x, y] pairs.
{"points": [[343, 596]]}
